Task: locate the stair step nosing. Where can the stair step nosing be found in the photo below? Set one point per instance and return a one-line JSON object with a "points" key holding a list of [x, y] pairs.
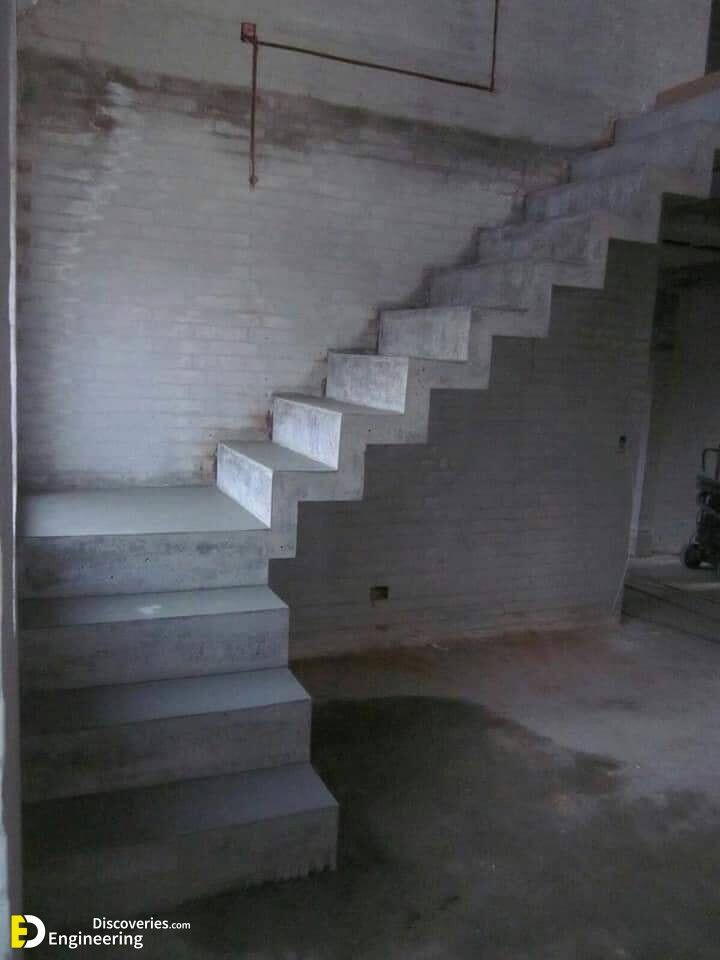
{"points": [[318, 466], [295, 789], [63, 720], [324, 404], [273, 604]]}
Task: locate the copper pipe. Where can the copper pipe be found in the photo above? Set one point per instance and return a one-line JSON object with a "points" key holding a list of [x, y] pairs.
{"points": [[253, 111], [249, 35], [386, 68]]}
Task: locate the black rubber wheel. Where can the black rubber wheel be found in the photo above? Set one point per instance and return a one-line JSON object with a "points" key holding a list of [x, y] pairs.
{"points": [[693, 556]]}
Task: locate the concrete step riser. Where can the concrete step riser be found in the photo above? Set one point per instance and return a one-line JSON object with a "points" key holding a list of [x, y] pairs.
{"points": [[308, 430], [131, 652], [672, 149], [124, 756], [578, 241], [512, 285], [81, 566], [627, 198], [703, 109], [143, 879], [246, 481], [636, 196], [370, 381], [340, 439], [436, 334]]}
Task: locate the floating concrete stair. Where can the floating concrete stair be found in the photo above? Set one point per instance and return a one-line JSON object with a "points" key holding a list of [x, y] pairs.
{"points": [[98, 640], [166, 744], [137, 851]]}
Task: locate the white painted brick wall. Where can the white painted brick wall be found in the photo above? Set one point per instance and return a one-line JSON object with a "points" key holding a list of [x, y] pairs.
{"points": [[517, 513], [565, 67], [162, 302]]}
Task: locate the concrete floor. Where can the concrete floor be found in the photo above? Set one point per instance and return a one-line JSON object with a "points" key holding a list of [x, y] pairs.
{"points": [[669, 569], [661, 590], [543, 798]]}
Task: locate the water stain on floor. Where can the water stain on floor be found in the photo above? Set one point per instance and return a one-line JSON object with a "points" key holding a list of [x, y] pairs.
{"points": [[466, 837]]}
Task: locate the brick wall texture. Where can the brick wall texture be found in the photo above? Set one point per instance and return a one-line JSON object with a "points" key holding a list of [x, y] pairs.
{"points": [[516, 514], [162, 302]]}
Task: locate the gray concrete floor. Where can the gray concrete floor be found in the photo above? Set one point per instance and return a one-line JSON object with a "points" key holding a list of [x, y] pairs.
{"points": [[551, 797], [669, 570]]}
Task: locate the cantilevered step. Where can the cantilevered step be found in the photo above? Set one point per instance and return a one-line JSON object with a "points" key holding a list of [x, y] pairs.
{"points": [[434, 333], [114, 737], [369, 379], [581, 238], [247, 472], [139, 539], [97, 640], [515, 285], [690, 147], [313, 426], [700, 109], [636, 195], [148, 849]]}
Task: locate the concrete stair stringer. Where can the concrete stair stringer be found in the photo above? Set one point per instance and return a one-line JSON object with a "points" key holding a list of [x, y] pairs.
{"points": [[338, 430], [384, 397]]}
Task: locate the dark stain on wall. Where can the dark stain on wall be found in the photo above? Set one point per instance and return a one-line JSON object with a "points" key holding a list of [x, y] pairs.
{"points": [[288, 121]]}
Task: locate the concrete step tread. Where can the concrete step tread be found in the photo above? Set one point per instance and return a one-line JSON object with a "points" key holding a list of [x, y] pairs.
{"points": [[683, 112], [92, 707], [276, 458], [335, 406], [389, 361], [524, 268], [681, 147], [124, 817], [587, 218], [132, 512], [77, 611], [423, 312], [673, 176], [507, 264], [689, 129]]}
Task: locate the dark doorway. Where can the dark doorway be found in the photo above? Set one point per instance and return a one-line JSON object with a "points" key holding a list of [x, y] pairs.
{"points": [[713, 54]]}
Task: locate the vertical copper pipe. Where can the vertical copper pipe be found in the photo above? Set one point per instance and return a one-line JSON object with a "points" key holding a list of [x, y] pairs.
{"points": [[249, 35], [253, 111], [493, 66]]}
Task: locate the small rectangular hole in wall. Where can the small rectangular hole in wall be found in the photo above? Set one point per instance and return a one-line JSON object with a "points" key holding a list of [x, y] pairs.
{"points": [[378, 594]]}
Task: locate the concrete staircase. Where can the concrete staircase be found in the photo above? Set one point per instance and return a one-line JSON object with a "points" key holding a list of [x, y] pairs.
{"points": [[166, 745]]}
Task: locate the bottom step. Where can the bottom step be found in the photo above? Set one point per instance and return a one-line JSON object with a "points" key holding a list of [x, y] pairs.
{"points": [[133, 852]]}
